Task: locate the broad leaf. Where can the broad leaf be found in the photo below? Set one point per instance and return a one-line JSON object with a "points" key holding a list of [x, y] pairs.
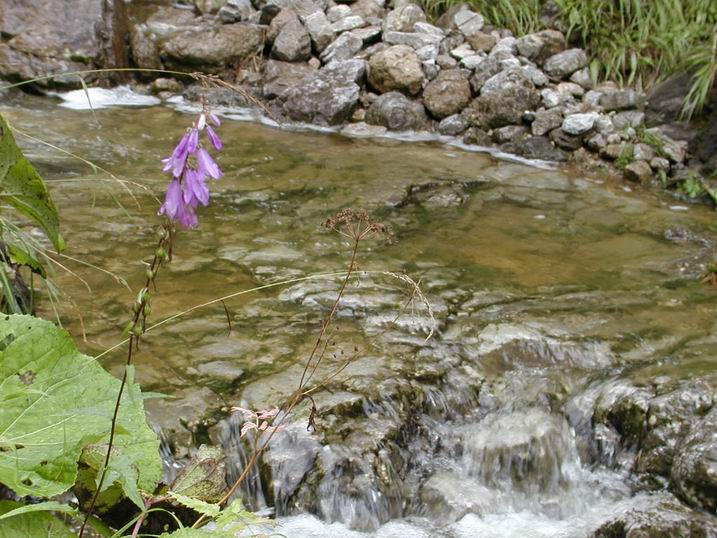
{"points": [[23, 256], [23, 188], [204, 476], [204, 508], [30, 523], [54, 402]]}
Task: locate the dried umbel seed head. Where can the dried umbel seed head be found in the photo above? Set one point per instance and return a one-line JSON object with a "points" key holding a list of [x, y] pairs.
{"points": [[358, 225]]}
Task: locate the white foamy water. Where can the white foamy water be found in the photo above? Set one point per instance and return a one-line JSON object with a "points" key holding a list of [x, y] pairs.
{"points": [[103, 98]]}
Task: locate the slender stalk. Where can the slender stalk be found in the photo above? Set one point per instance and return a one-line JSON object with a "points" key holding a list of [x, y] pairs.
{"points": [[137, 328]]}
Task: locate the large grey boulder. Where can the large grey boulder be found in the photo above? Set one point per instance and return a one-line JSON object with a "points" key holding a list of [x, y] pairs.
{"points": [[447, 94], [214, 50], [396, 68], [324, 98], [293, 44], [52, 36], [397, 112], [565, 63]]}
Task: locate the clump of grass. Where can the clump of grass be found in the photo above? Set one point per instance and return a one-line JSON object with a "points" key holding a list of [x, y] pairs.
{"points": [[633, 42], [520, 17], [626, 157], [641, 42]]}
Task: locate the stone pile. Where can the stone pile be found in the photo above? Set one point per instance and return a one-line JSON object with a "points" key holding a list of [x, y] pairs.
{"points": [[371, 68]]}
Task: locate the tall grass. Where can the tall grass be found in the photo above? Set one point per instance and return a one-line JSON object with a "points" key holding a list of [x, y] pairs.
{"points": [[634, 42], [640, 42]]}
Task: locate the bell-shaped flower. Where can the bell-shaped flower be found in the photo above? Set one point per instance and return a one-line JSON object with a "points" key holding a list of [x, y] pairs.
{"points": [[195, 189], [176, 162], [173, 200], [206, 165], [214, 137]]}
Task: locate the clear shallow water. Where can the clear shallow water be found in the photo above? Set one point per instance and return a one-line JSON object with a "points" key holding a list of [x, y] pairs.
{"points": [[544, 278]]}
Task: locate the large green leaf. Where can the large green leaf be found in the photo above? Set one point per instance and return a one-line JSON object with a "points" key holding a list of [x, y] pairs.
{"points": [[31, 523], [54, 402], [23, 188]]}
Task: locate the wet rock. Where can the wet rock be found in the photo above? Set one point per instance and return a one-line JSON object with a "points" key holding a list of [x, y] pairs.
{"points": [[403, 19], [639, 171], [447, 94], [236, 11], [213, 50], [397, 112], [619, 100], [694, 472], [396, 68], [44, 36], [577, 124], [452, 125], [546, 120], [363, 130], [320, 30], [344, 48], [536, 147], [220, 375], [322, 98], [293, 43], [658, 515], [565, 63], [185, 418], [280, 76]]}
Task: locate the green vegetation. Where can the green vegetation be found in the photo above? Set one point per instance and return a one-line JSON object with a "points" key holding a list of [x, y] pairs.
{"points": [[626, 157], [634, 42]]}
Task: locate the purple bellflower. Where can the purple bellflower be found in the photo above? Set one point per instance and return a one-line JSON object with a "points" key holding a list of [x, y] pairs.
{"points": [[190, 165]]}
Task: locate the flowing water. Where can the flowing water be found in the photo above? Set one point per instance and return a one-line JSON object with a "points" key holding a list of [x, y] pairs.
{"points": [[547, 287]]}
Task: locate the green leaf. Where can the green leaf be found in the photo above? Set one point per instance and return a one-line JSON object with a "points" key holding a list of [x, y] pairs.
{"points": [[30, 522], [47, 506], [54, 402], [204, 476], [192, 533], [235, 517], [22, 256], [23, 188], [207, 509]]}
